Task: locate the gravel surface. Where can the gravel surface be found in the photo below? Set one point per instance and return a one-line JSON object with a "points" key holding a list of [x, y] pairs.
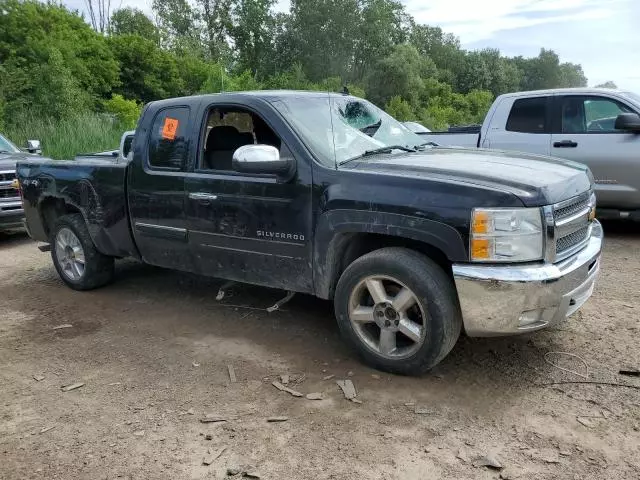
{"points": [[152, 352]]}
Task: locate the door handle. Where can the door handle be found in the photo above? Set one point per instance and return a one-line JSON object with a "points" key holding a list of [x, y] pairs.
{"points": [[206, 197], [565, 144]]}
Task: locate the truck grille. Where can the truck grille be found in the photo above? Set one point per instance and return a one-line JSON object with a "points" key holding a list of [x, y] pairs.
{"points": [[8, 193], [6, 189], [572, 225], [7, 176]]}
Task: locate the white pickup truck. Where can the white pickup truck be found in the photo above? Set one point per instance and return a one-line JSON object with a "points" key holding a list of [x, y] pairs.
{"points": [[595, 126]]}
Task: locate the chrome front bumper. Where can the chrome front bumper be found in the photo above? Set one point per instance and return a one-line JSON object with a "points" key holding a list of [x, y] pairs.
{"points": [[507, 300], [11, 213]]}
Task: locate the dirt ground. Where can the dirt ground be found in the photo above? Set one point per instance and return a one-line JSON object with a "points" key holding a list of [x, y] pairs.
{"points": [[153, 349]]}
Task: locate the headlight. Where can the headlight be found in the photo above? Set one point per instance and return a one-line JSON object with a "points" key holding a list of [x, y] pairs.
{"points": [[506, 235]]}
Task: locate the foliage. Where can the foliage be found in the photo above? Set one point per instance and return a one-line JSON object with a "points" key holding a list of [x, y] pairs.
{"points": [[52, 62], [127, 112], [131, 21], [608, 84], [68, 136], [400, 109]]}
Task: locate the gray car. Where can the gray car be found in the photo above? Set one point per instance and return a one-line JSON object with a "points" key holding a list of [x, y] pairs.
{"points": [[11, 213]]}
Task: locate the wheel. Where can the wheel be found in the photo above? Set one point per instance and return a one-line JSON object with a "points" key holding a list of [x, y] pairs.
{"points": [[399, 310], [75, 257]]}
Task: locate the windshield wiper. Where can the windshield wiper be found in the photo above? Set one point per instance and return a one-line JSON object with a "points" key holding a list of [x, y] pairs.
{"points": [[426, 144], [376, 151]]}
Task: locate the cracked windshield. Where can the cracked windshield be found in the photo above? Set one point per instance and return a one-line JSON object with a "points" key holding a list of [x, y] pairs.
{"points": [[341, 129]]}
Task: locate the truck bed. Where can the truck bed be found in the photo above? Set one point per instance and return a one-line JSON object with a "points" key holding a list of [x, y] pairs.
{"points": [[95, 188], [450, 139]]}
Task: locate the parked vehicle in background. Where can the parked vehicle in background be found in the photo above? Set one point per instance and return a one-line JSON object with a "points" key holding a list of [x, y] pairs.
{"points": [[11, 212], [416, 127], [595, 126], [329, 195]]}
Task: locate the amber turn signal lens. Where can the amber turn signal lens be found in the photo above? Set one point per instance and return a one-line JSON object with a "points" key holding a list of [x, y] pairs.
{"points": [[480, 248], [480, 222]]}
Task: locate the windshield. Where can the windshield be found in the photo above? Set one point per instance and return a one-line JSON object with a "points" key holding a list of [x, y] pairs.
{"points": [[7, 146], [338, 129]]}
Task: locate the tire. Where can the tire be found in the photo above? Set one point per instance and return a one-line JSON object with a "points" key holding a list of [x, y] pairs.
{"points": [[70, 234], [425, 332]]}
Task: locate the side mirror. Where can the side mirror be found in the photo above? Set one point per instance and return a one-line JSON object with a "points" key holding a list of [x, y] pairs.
{"points": [[33, 146], [628, 121], [261, 159]]}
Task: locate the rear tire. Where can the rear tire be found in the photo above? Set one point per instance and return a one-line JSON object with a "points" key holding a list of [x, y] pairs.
{"points": [[412, 319], [75, 257]]}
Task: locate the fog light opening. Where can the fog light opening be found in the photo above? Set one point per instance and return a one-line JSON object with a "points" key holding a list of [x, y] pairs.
{"points": [[531, 318]]}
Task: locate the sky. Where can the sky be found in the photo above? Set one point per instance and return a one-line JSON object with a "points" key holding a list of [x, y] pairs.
{"points": [[598, 34]]}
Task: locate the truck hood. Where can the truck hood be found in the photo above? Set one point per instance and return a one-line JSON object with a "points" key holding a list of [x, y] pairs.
{"points": [[8, 161], [535, 179]]}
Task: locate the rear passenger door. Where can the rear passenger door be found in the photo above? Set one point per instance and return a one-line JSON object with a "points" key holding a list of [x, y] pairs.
{"points": [[585, 132], [156, 188], [251, 228], [522, 125]]}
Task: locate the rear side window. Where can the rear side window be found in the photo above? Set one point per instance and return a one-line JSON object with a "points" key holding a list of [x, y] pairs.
{"points": [[528, 115], [168, 143]]}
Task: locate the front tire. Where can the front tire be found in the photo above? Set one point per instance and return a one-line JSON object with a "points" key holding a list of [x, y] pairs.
{"points": [[75, 257], [399, 310]]}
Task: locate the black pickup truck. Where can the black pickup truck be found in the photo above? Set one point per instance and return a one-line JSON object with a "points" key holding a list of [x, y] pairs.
{"points": [[326, 194]]}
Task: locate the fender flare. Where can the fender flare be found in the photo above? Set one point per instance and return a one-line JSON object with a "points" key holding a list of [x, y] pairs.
{"points": [[333, 229]]}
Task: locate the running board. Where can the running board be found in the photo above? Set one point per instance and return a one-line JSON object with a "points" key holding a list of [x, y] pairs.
{"points": [[44, 248]]}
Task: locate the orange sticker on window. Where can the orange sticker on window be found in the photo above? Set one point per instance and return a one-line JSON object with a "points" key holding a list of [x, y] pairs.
{"points": [[170, 128]]}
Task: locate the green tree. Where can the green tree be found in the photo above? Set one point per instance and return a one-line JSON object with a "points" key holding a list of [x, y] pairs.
{"points": [[380, 27], [400, 109], [179, 27], [401, 73], [572, 75], [251, 33], [126, 111], [29, 30], [608, 84], [324, 35], [475, 74], [147, 73], [131, 21]]}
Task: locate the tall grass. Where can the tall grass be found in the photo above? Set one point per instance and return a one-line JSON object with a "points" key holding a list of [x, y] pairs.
{"points": [[65, 138]]}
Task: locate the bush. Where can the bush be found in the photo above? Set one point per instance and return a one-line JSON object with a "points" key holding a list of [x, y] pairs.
{"points": [[126, 111], [399, 109]]}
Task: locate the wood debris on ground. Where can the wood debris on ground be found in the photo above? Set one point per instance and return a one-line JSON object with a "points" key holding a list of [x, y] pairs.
{"points": [[210, 418], [315, 396], [348, 389], [487, 461], [232, 374], [73, 386], [38, 378], [418, 410], [213, 456], [60, 327], [277, 419], [281, 387], [46, 429]]}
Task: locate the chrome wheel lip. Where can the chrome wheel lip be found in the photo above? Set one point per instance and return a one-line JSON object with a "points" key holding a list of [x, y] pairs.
{"points": [[388, 326], [70, 254]]}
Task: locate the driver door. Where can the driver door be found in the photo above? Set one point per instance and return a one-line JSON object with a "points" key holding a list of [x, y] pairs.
{"points": [[252, 228], [586, 134]]}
